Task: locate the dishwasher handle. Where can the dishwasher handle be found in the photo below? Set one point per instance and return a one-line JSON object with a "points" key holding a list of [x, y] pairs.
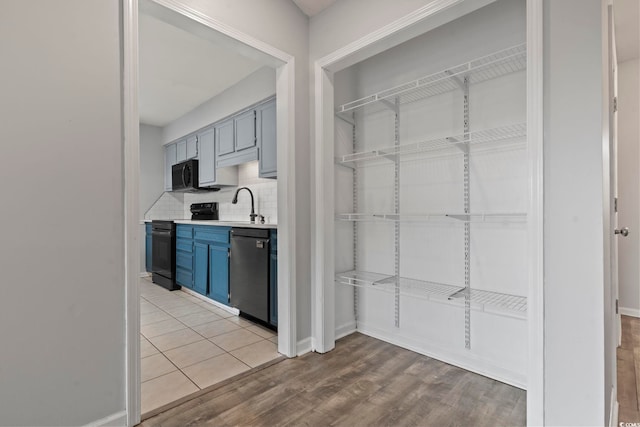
{"points": [[260, 243]]}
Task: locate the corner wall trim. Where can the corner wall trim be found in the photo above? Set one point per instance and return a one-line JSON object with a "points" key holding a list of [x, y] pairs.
{"points": [[613, 416], [117, 419], [633, 312], [304, 346], [346, 329]]}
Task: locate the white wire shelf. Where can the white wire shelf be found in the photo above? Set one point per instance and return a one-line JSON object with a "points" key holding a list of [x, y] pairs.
{"points": [[480, 300], [488, 67], [512, 133], [435, 217]]}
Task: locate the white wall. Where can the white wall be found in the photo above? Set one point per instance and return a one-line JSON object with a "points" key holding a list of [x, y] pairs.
{"points": [[62, 311], [348, 20], [433, 183], [151, 175], [573, 205], [628, 179], [281, 24], [151, 166], [254, 88]]}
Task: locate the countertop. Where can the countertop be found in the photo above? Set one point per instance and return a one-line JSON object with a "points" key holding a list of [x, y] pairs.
{"points": [[214, 223]]}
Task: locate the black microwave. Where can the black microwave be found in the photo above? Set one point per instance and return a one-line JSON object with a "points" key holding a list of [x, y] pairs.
{"points": [[184, 176]]}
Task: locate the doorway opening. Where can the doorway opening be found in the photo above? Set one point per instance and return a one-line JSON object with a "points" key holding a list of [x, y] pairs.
{"points": [[250, 76], [624, 336], [373, 217]]}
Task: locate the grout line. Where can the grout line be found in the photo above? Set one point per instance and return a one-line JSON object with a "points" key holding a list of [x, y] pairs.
{"points": [[163, 355], [180, 370], [240, 327]]}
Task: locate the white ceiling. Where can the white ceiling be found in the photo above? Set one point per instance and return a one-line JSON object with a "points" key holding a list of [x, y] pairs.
{"points": [[313, 7], [180, 70], [627, 26]]}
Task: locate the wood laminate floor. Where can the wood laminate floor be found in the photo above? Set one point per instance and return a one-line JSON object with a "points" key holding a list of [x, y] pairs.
{"points": [[363, 382], [629, 371]]}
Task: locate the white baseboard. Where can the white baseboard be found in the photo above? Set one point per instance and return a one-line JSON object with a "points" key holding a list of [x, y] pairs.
{"points": [[634, 312], [613, 416], [145, 274], [118, 419], [469, 363], [345, 329], [304, 346], [219, 305]]}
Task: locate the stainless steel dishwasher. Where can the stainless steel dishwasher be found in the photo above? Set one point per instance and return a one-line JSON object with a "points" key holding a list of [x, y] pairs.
{"points": [[249, 272]]}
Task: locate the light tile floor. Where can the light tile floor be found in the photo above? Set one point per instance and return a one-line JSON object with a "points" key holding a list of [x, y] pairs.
{"points": [[187, 344]]}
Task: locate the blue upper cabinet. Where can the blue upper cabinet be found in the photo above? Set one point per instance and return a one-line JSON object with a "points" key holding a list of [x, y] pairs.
{"points": [[181, 150], [192, 146], [224, 138], [207, 157], [267, 140], [170, 159], [242, 148], [245, 131], [187, 148]]}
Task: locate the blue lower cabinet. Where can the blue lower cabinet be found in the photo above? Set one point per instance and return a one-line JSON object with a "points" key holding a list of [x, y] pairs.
{"points": [[201, 268], [219, 273], [273, 289], [273, 279], [184, 277], [184, 255], [211, 262], [148, 244]]}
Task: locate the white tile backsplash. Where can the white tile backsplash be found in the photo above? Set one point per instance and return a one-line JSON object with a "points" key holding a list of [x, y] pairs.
{"points": [[265, 193], [168, 206]]}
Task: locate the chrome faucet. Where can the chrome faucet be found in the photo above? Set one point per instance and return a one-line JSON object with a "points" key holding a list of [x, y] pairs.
{"points": [[235, 200]]}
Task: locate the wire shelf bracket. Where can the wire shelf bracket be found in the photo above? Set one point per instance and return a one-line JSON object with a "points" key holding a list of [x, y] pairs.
{"points": [[479, 300], [511, 133], [488, 67]]}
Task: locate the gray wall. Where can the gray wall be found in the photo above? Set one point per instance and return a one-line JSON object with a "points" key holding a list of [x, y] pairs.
{"points": [[151, 175], [253, 88], [628, 189], [573, 229], [151, 166], [62, 257]]}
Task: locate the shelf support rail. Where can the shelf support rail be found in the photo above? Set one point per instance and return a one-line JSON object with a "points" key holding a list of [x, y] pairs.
{"points": [[467, 225], [352, 122], [396, 109], [355, 209], [393, 106]]}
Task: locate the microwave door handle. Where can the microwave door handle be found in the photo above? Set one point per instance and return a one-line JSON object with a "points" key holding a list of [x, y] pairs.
{"points": [[184, 184]]}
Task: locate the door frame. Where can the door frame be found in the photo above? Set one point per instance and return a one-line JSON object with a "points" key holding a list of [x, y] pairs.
{"points": [[405, 28], [285, 104], [610, 215]]}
